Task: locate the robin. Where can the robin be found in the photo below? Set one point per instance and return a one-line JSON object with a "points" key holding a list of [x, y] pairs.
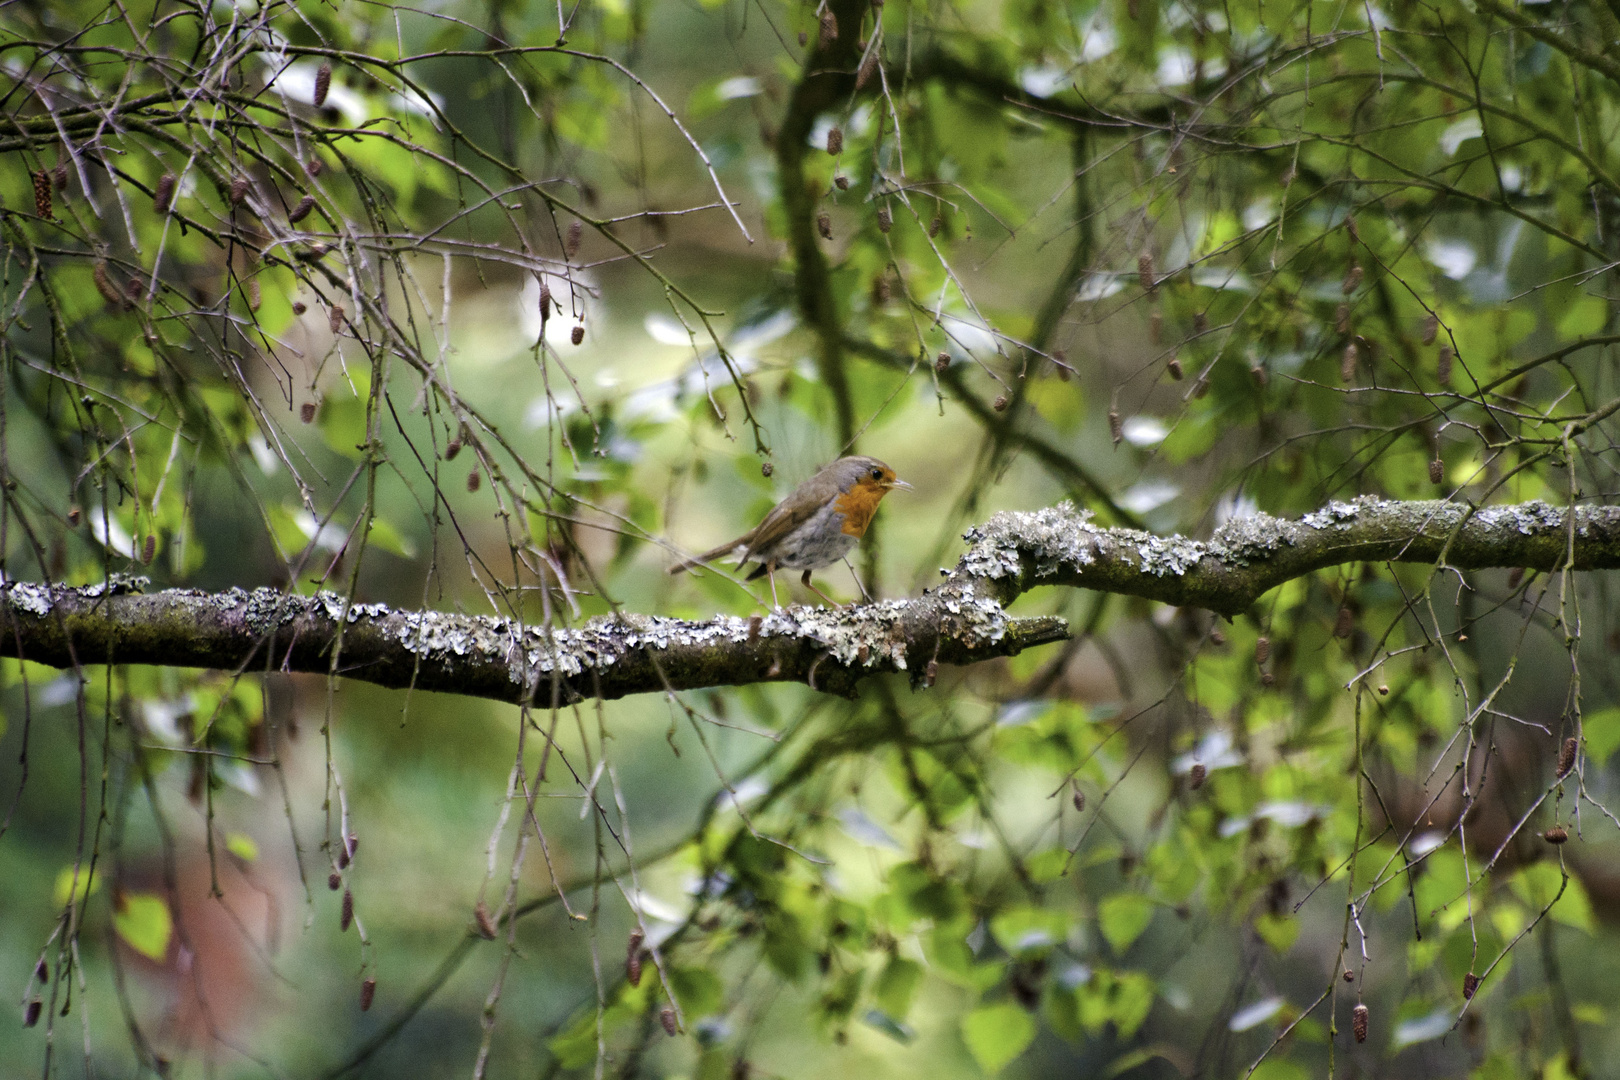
{"points": [[816, 525]]}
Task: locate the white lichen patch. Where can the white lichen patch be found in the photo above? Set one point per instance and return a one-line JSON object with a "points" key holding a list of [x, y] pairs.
{"points": [[1335, 513], [1167, 556], [1526, 518], [1054, 540], [1252, 538]]}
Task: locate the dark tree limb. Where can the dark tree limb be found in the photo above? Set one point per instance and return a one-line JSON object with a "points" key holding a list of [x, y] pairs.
{"points": [[962, 621]]}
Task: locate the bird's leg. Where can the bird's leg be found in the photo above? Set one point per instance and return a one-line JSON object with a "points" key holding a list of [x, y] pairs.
{"points": [[859, 584], [805, 581], [770, 572]]}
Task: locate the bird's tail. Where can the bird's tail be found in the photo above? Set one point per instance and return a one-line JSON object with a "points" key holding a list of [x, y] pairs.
{"points": [[709, 556]]}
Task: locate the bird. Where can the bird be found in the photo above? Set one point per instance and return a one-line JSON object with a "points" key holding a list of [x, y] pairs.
{"points": [[815, 526]]}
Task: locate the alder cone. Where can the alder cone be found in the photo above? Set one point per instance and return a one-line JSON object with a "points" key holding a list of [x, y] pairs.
{"points": [[347, 915], [666, 1016], [1358, 1023], [835, 140], [1196, 775], [323, 85], [1470, 984], [1262, 649], [1566, 756], [1556, 835], [368, 991]]}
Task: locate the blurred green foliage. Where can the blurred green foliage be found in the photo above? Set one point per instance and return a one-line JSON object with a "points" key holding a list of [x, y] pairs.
{"points": [[456, 307]]}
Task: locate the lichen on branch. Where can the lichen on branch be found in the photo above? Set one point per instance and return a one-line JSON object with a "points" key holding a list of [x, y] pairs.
{"points": [[961, 621]]}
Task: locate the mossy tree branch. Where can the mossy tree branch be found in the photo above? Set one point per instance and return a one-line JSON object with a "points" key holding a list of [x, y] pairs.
{"points": [[962, 621]]}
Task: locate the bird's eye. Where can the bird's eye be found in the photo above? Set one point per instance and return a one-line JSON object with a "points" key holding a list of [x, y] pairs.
{"points": [[877, 474]]}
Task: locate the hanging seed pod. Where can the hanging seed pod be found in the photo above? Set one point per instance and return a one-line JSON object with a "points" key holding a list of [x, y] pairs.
{"points": [[1352, 280], [868, 65], [632, 958], [1437, 471], [1200, 386], [1116, 427], [1350, 227], [104, 285], [485, 921], [451, 449], [299, 307], [239, 190], [1155, 326], [930, 673], [766, 469], [1470, 984], [301, 211], [824, 225], [474, 479], [1200, 322], [42, 195], [368, 991], [347, 915], [841, 183], [148, 549], [335, 317], [315, 167], [577, 334], [935, 225], [576, 232], [1358, 1023], [885, 219], [1341, 319], [254, 296], [1515, 576], [1566, 757], [1345, 624], [1431, 328], [1262, 650], [835, 140], [1173, 366], [1347, 363], [942, 361], [306, 412], [41, 972], [323, 84], [73, 517], [829, 29], [334, 881], [1556, 835], [1260, 376], [163, 193], [1196, 775], [1000, 404], [1349, 976], [666, 1016], [1144, 271], [31, 1012], [1079, 799], [1442, 367]]}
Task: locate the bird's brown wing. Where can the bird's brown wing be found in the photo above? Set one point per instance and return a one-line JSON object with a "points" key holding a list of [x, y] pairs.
{"points": [[786, 516]]}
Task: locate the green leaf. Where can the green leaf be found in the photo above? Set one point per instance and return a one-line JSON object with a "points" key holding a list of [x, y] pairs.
{"points": [[897, 985], [143, 921], [67, 886], [1122, 918], [996, 1034], [242, 846], [1602, 732], [699, 991], [1278, 931]]}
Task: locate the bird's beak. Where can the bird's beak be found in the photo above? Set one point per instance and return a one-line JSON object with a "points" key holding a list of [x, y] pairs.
{"points": [[899, 483]]}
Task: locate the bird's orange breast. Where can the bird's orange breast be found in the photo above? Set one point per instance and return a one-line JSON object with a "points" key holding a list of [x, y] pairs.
{"points": [[858, 504]]}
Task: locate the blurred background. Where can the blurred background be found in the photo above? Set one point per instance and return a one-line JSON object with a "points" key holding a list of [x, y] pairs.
{"points": [[570, 301]]}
